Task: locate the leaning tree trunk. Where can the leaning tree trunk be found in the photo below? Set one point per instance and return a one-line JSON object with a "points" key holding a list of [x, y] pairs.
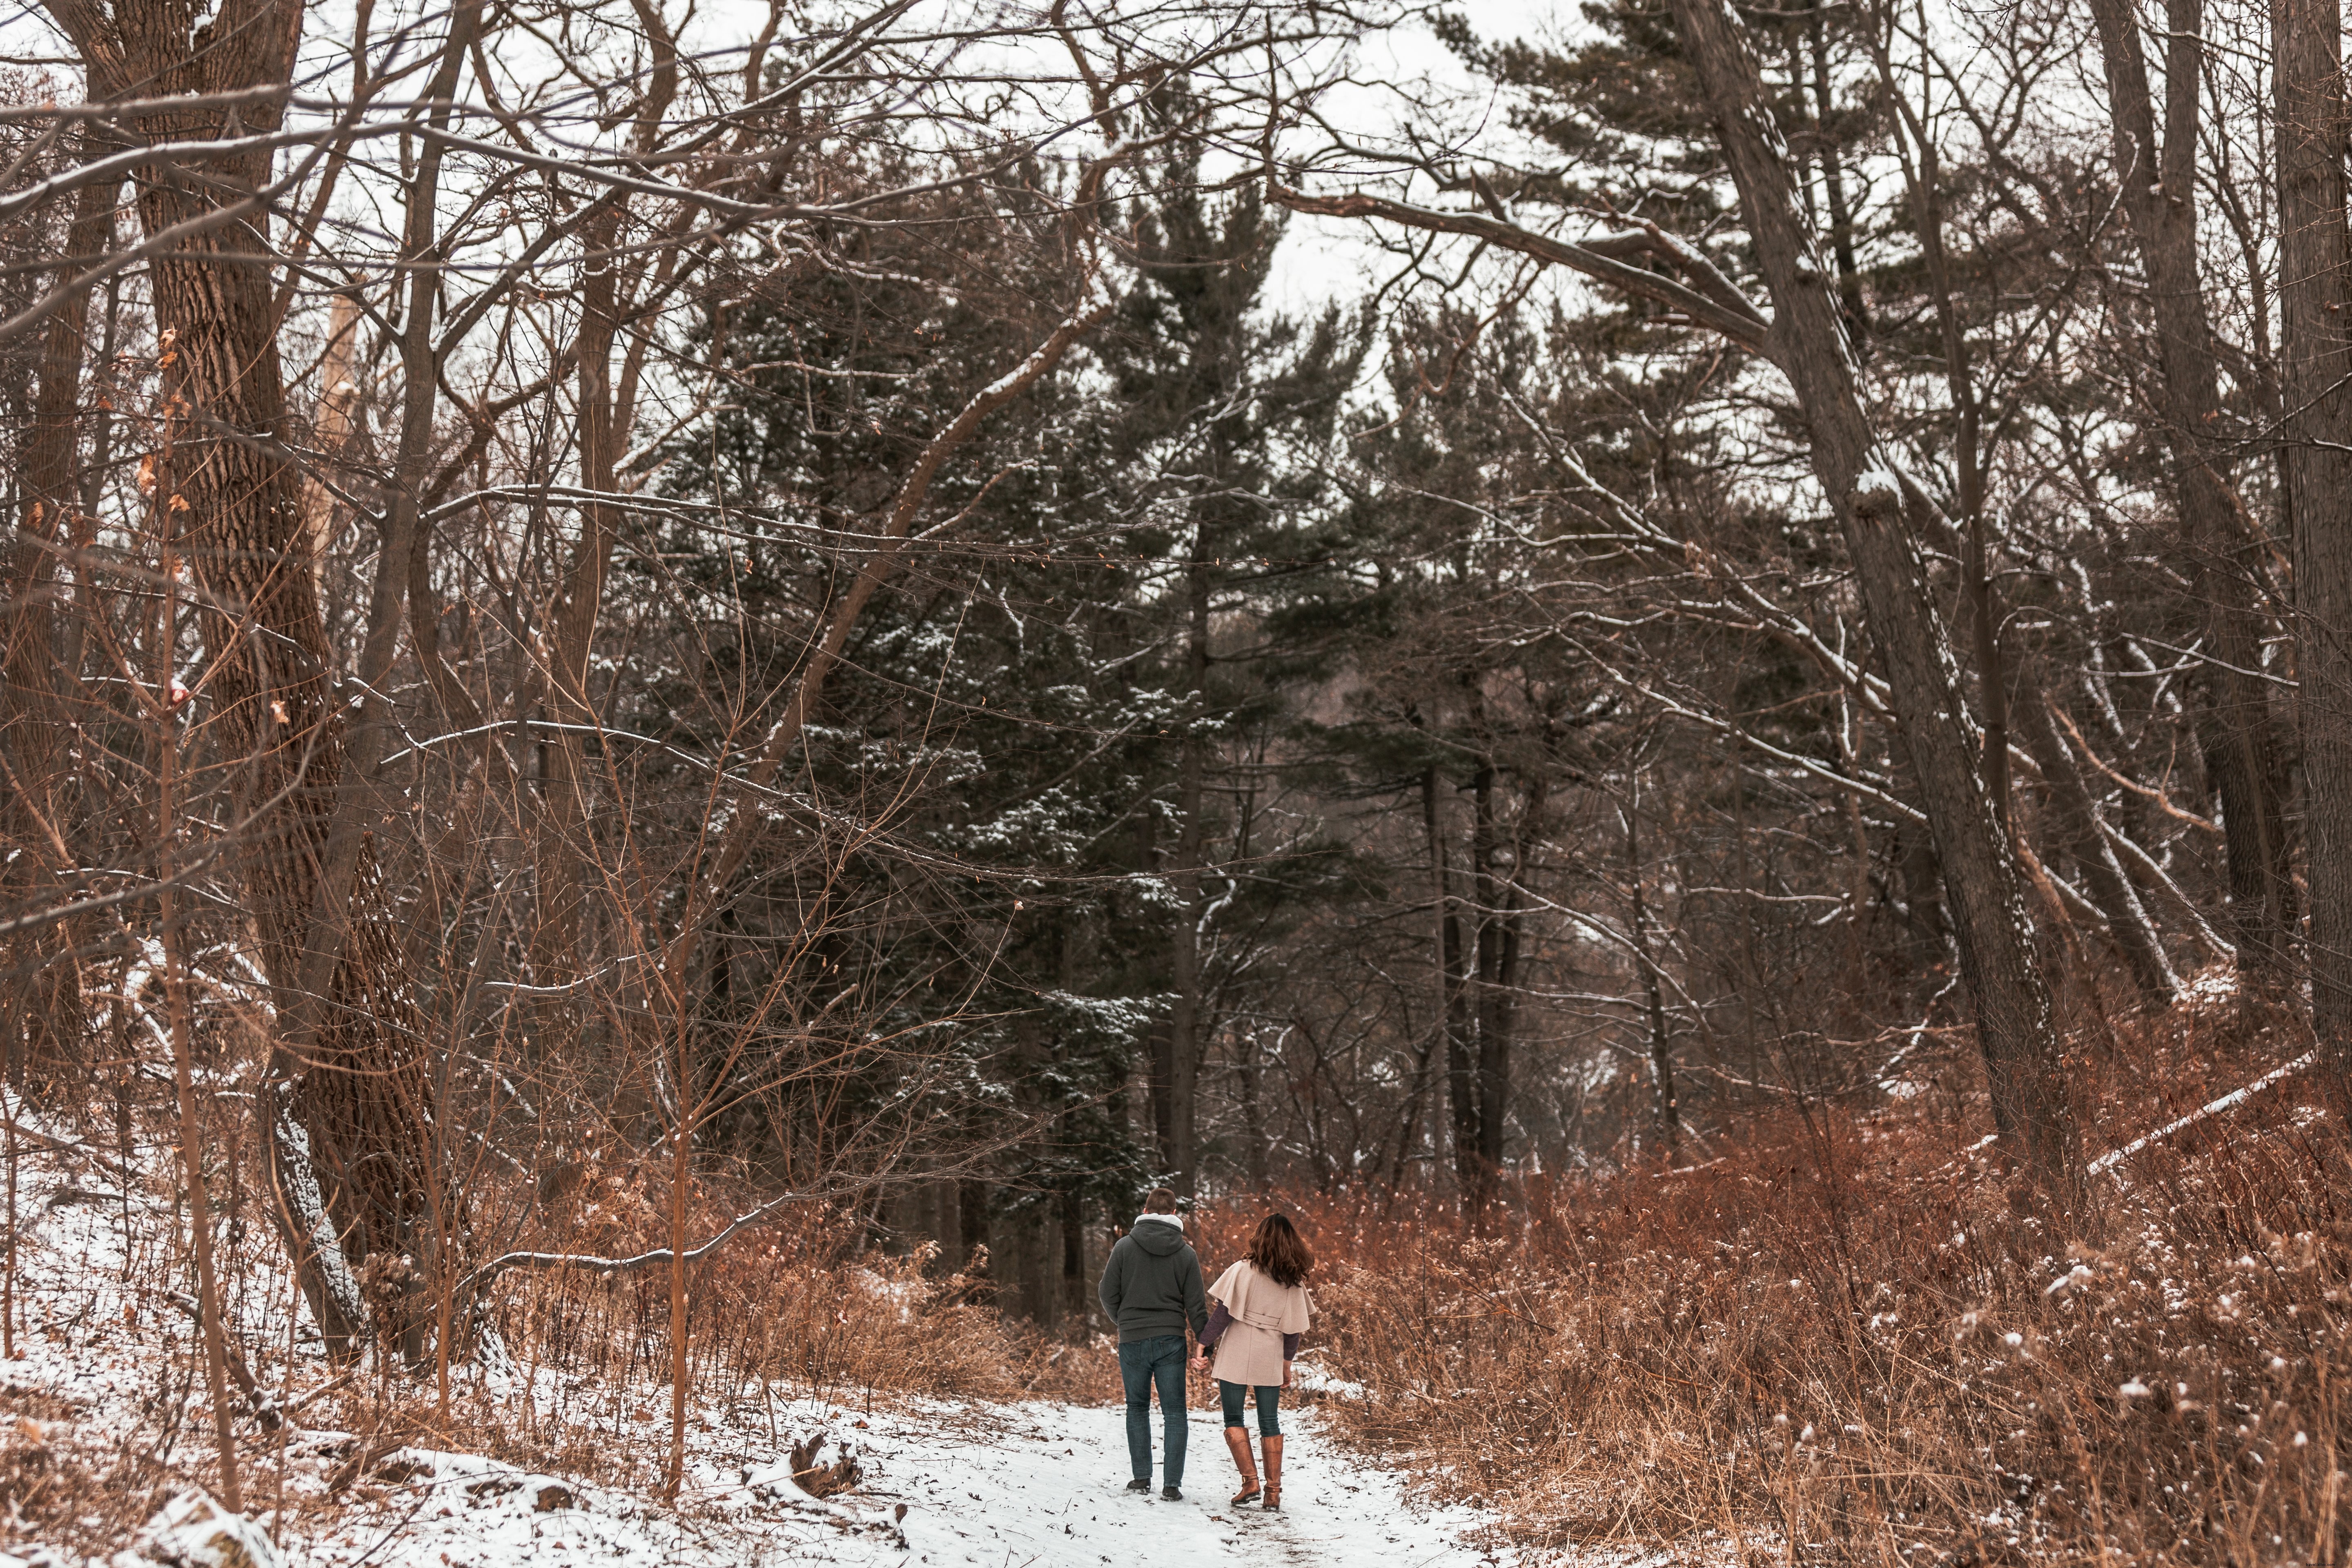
{"points": [[2315, 365], [1882, 515], [350, 1134], [2158, 186]]}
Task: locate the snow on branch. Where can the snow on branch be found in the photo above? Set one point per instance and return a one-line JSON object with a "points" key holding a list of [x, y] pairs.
{"points": [[1714, 304], [2229, 1101], [608, 1266]]}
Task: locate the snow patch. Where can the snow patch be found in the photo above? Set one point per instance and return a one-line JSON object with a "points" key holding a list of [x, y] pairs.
{"points": [[192, 1530], [310, 1206]]}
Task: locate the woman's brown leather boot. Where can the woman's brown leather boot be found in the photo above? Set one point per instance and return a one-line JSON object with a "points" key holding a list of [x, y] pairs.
{"points": [[1272, 1473], [1237, 1439]]}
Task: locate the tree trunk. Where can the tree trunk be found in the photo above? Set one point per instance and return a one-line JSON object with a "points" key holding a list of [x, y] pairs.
{"points": [[1075, 1296], [1454, 1000], [330, 424], [351, 1149], [2314, 367], [2236, 733], [1491, 1013], [42, 1002], [1665, 1116], [971, 1227], [1184, 869], [563, 861], [1501, 942], [1850, 299], [1881, 516], [1246, 1075]]}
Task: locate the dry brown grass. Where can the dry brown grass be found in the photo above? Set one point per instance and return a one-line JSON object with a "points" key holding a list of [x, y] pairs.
{"points": [[1837, 1338], [1838, 1341], [65, 1487], [803, 1310]]}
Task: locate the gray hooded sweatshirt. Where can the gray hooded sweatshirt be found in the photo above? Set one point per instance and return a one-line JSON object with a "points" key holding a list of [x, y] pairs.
{"points": [[1151, 1286]]}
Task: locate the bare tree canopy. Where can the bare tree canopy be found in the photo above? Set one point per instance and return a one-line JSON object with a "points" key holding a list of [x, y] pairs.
{"points": [[940, 613]]}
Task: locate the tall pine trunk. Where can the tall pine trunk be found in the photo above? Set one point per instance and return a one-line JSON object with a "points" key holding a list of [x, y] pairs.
{"points": [[1452, 995], [1665, 1115], [1186, 1026]]}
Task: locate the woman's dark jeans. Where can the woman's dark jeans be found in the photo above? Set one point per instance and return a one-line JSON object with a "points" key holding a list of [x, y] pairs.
{"points": [[1269, 1403], [1142, 1363]]}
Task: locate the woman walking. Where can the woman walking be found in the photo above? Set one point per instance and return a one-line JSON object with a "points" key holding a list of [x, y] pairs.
{"points": [[1260, 1308]]}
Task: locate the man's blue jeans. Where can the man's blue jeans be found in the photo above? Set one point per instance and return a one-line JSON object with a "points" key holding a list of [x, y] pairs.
{"points": [[1142, 1362]]}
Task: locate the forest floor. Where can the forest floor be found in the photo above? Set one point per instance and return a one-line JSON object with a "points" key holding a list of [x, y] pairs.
{"points": [[106, 1451]]}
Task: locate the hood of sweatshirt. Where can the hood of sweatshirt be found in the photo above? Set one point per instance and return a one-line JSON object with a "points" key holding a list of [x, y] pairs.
{"points": [[1159, 1234]]}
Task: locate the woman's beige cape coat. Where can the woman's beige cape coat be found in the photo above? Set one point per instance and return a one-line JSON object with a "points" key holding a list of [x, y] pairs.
{"points": [[1250, 1351]]}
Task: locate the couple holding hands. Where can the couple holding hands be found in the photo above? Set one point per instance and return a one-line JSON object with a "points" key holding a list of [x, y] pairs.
{"points": [[1152, 1289]]}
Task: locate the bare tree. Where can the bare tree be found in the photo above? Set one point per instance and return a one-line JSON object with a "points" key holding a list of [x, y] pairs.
{"points": [[2157, 181], [1883, 515]]}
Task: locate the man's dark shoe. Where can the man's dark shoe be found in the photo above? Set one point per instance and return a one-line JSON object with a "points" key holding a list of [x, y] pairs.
{"points": [[1170, 1494], [1141, 1484]]}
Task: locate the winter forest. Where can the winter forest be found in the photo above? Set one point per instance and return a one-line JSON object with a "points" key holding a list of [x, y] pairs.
{"points": [[686, 686]]}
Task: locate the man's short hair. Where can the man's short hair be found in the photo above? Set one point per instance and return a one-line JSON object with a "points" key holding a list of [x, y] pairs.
{"points": [[1159, 1200]]}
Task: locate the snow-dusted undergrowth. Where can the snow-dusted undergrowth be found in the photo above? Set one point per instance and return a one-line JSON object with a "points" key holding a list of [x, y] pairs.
{"points": [[106, 1450]]}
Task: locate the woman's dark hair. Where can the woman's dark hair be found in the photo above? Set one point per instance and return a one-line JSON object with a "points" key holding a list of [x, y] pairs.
{"points": [[1278, 1254]]}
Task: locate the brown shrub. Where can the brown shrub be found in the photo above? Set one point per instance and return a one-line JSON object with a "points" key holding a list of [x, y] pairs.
{"points": [[803, 1309], [70, 1489], [1840, 1339]]}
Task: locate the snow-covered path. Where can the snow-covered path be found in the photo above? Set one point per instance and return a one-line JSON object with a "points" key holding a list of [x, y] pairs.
{"points": [[1048, 1489], [984, 1486]]}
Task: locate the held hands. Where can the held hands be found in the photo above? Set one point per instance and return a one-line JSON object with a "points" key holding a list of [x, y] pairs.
{"points": [[1285, 1374], [1198, 1362]]}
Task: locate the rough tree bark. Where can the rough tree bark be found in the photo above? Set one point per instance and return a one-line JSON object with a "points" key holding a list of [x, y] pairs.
{"points": [[349, 1145], [2314, 368]]}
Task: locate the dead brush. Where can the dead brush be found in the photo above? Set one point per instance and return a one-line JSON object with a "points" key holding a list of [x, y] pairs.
{"points": [[1840, 1341], [800, 1310], [62, 1488]]}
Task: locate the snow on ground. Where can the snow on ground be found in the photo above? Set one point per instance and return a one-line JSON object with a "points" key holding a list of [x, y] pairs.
{"points": [[104, 1401], [1047, 1487], [1024, 1486]]}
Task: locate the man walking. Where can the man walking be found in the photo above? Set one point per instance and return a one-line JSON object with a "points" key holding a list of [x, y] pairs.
{"points": [[1151, 1289]]}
